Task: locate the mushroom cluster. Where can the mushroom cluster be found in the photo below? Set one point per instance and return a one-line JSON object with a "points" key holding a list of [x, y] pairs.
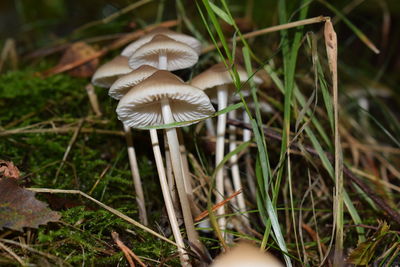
{"points": [[150, 95]]}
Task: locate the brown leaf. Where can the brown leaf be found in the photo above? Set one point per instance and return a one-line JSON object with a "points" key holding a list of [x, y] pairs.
{"points": [[8, 169], [76, 52], [19, 208]]}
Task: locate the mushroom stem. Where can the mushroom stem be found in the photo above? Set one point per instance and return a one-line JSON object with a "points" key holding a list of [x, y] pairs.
{"points": [[167, 199], [219, 153], [162, 61], [237, 183], [249, 176], [173, 144], [136, 176], [210, 127]]}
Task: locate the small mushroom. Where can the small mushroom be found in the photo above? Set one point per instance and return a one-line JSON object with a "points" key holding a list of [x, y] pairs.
{"points": [[180, 37], [164, 53], [125, 82], [163, 99], [107, 73], [246, 255]]}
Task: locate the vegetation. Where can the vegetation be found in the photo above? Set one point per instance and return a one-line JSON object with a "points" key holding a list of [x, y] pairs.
{"points": [[324, 157]]}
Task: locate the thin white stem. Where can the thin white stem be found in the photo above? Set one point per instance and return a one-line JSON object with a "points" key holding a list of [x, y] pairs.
{"points": [[170, 176], [173, 144], [210, 127], [246, 138], [167, 199], [219, 153], [136, 176], [162, 61], [237, 183]]}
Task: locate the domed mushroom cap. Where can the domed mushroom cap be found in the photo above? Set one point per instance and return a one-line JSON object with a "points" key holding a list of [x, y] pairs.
{"points": [[125, 82], [141, 106], [219, 75], [246, 255], [180, 37], [107, 73], [179, 55]]}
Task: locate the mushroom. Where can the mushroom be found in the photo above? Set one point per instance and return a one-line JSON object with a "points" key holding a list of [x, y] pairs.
{"points": [[218, 77], [246, 255], [119, 88], [125, 82], [164, 53], [163, 99], [106, 74], [183, 38]]}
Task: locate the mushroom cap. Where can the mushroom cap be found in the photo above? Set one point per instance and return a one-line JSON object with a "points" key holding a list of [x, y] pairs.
{"points": [[107, 73], [246, 255], [141, 106], [125, 82], [179, 55], [180, 37], [218, 75]]}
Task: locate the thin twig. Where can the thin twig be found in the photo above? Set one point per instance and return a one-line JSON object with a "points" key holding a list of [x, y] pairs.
{"points": [[127, 252], [12, 253], [104, 206], [61, 130], [276, 28]]}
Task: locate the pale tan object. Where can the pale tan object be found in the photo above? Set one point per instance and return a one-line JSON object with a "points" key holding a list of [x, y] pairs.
{"points": [[125, 82], [107, 73], [173, 54], [141, 106], [162, 99], [246, 255], [219, 75], [180, 37]]}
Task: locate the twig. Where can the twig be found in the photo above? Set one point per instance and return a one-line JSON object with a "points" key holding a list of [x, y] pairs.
{"points": [[276, 28], [12, 253], [393, 214], [113, 15], [104, 206], [127, 252], [61, 130], [114, 45], [69, 147], [217, 206]]}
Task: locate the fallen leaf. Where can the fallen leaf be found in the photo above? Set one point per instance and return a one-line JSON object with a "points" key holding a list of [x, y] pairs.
{"points": [[19, 208], [8, 169], [75, 53]]}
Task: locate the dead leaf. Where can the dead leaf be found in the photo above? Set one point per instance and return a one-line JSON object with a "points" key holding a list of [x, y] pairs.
{"points": [[8, 169], [19, 208], [77, 52]]}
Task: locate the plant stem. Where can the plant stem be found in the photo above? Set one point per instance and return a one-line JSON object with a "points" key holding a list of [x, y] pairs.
{"points": [[173, 144], [136, 176], [219, 153], [167, 198]]}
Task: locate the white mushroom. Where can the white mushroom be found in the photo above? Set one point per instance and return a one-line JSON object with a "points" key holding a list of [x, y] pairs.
{"points": [[164, 53], [180, 37], [163, 99], [246, 255], [106, 74]]}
